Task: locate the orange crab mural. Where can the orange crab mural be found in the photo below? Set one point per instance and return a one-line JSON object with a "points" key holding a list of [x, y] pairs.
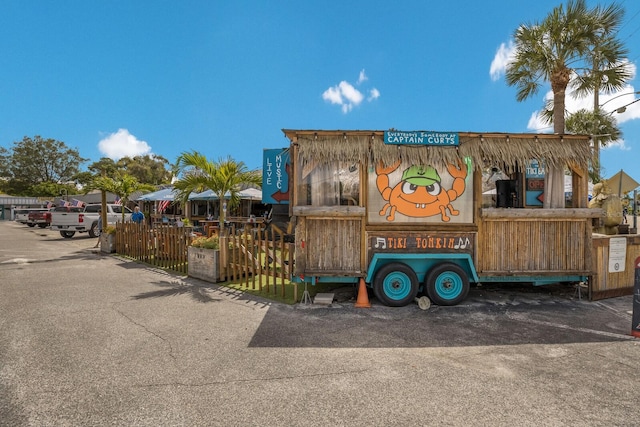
{"points": [[419, 193]]}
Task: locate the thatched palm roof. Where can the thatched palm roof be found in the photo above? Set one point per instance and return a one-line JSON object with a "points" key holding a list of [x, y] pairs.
{"points": [[506, 150]]}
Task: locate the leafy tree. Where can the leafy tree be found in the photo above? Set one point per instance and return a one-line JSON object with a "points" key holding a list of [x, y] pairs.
{"points": [[603, 127], [225, 176], [39, 160], [146, 169], [546, 52], [104, 166], [51, 189], [150, 169], [4, 163], [122, 186], [83, 178]]}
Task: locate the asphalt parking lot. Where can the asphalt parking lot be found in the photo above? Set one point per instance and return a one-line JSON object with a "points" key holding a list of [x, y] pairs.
{"points": [[92, 339]]}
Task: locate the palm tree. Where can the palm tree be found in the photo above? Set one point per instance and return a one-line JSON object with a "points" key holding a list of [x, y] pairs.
{"points": [[224, 177], [547, 51], [602, 127], [122, 186], [606, 72]]}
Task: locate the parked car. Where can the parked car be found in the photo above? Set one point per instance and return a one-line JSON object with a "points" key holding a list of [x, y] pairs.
{"points": [[40, 218], [22, 215], [86, 219]]}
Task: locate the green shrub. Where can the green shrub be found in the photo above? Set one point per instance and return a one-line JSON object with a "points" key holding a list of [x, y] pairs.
{"points": [[206, 242]]}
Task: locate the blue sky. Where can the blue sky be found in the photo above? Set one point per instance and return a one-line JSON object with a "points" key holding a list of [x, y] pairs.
{"points": [[116, 78]]}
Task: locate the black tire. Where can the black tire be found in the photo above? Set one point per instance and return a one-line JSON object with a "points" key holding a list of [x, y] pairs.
{"points": [[94, 232], [42, 225], [395, 284], [31, 225], [67, 234], [447, 284]]}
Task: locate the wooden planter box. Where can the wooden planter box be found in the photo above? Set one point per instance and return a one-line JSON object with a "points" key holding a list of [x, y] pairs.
{"points": [[204, 264], [107, 243]]}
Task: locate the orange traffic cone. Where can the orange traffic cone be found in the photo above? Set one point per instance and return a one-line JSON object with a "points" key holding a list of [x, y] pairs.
{"points": [[363, 298]]}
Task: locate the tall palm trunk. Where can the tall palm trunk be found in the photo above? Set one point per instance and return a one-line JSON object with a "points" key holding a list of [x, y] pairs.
{"points": [[554, 177], [595, 134]]}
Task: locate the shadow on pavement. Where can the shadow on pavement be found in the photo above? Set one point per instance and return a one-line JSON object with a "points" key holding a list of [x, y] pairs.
{"points": [[491, 315], [488, 317], [171, 288]]}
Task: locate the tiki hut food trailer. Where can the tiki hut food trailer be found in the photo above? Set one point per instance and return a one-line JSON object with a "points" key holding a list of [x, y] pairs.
{"points": [[404, 211]]}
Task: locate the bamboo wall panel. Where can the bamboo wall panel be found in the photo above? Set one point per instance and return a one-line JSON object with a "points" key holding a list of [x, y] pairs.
{"points": [[534, 246], [605, 284], [333, 245]]}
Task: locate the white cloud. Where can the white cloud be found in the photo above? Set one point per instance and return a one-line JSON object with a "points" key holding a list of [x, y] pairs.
{"points": [[537, 125], [350, 93], [618, 144], [122, 144], [343, 94], [347, 96], [503, 56], [333, 95], [609, 102], [362, 77]]}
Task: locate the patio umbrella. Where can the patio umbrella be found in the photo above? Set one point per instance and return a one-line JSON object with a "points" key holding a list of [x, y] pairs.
{"points": [[246, 194], [205, 195], [160, 195], [250, 194], [622, 183]]}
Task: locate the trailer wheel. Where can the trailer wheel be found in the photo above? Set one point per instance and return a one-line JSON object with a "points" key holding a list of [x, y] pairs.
{"points": [[447, 284], [30, 224], [94, 231], [67, 234], [42, 225], [395, 284]]}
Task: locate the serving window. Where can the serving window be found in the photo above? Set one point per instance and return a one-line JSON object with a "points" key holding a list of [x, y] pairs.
{"points": [[328, 184]]}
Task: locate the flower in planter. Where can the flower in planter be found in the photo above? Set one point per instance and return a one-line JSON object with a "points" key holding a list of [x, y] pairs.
{"points": [[110, 229], [206, 242]]}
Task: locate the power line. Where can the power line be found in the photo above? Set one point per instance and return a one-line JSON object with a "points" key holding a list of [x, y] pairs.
{"points": [[627, 23]]}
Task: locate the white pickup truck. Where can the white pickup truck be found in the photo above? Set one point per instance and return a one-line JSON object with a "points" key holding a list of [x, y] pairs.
{"points": [[70, 223]]}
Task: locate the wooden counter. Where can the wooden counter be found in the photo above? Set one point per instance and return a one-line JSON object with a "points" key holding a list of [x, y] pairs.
{"points": [[537, 242]]}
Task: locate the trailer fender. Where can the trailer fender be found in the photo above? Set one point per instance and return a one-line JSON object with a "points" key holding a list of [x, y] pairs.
{"points": [[421, 263]]}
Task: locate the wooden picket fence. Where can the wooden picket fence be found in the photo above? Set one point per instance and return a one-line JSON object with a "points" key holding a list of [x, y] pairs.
{"points": [[258, 259], [163, 246]]}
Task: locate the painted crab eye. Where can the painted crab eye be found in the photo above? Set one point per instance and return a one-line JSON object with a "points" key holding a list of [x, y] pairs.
{"points": [[409, 188], [434, 189]]}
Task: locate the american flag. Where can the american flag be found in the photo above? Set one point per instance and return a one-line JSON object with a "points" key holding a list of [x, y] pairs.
{"points": [[63, 203], [78, 203], [162, 206], [117, 201], [49, 204]]}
